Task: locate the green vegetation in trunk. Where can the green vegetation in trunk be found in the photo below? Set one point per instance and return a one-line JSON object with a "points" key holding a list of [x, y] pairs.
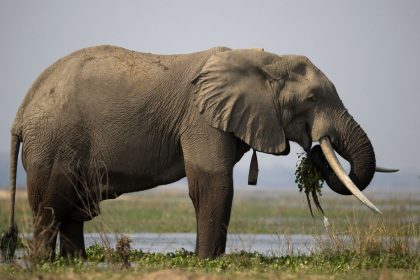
{"points": [[309, 180]]}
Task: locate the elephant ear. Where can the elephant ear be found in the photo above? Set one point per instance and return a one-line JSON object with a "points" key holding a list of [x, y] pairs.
{"points": [[234, 94]]}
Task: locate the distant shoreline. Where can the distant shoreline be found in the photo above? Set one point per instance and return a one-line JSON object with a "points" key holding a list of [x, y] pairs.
{"points": [[257, 191]]}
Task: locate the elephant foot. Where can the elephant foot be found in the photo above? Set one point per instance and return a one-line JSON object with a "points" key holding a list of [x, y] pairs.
{"points": [[212, 196], [72, 242]]}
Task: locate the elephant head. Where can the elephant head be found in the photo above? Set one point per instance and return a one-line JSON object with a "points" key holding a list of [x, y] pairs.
{"points": [[267, 100]]}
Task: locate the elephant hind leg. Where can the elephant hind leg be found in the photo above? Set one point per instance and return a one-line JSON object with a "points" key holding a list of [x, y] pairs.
{"points": [[45, 235], [212, 196], [72, 242], [51, 196]]}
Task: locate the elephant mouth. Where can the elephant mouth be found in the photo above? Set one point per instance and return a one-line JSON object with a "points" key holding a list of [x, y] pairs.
{"points": [[301, 136], [307, 141]]}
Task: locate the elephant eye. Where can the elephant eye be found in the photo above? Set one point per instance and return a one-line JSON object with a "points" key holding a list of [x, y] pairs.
{"points": [[311, 97]]}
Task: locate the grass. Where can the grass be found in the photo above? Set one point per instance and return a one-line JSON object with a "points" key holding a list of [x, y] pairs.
{"points": [[184, 265], [273, 212], [278, 212], [385, 247]]}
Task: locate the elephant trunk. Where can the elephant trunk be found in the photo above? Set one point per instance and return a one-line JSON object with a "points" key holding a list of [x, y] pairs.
{"points": [[353, 145]]}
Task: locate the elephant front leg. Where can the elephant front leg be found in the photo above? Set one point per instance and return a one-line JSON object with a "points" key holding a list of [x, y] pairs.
{"points": [[211, 194]]}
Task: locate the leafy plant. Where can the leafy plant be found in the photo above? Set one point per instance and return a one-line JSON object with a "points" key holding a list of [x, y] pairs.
{"points": [[123, 250], [309, 180], [96, 252]]}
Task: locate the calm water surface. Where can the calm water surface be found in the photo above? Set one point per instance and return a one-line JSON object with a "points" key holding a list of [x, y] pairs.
{"points": [[267, 244]]}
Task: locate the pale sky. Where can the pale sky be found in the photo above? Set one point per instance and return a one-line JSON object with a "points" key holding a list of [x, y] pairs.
{"points": [[370, 50]]}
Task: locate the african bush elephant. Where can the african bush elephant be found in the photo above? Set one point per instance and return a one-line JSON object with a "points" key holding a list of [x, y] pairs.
{"points": [[105, 121]]}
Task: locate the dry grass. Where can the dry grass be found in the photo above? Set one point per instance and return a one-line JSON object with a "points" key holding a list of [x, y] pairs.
{"points": [[174, 274]]}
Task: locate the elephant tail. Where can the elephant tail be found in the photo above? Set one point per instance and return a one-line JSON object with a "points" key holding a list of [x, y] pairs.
{"points": [[8, 240]]}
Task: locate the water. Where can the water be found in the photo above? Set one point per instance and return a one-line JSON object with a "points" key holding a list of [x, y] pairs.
{"points": [[267, 244]]}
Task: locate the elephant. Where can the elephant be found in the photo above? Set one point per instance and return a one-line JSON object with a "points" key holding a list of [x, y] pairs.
{"points": [[104, 121]]}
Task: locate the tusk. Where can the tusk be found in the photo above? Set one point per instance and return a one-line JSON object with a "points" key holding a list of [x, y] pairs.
{"points": [[341, 174], [385, 170]]}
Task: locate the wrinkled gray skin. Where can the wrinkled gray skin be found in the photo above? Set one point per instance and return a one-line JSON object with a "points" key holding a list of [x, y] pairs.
{"points": [[105, 121]]}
